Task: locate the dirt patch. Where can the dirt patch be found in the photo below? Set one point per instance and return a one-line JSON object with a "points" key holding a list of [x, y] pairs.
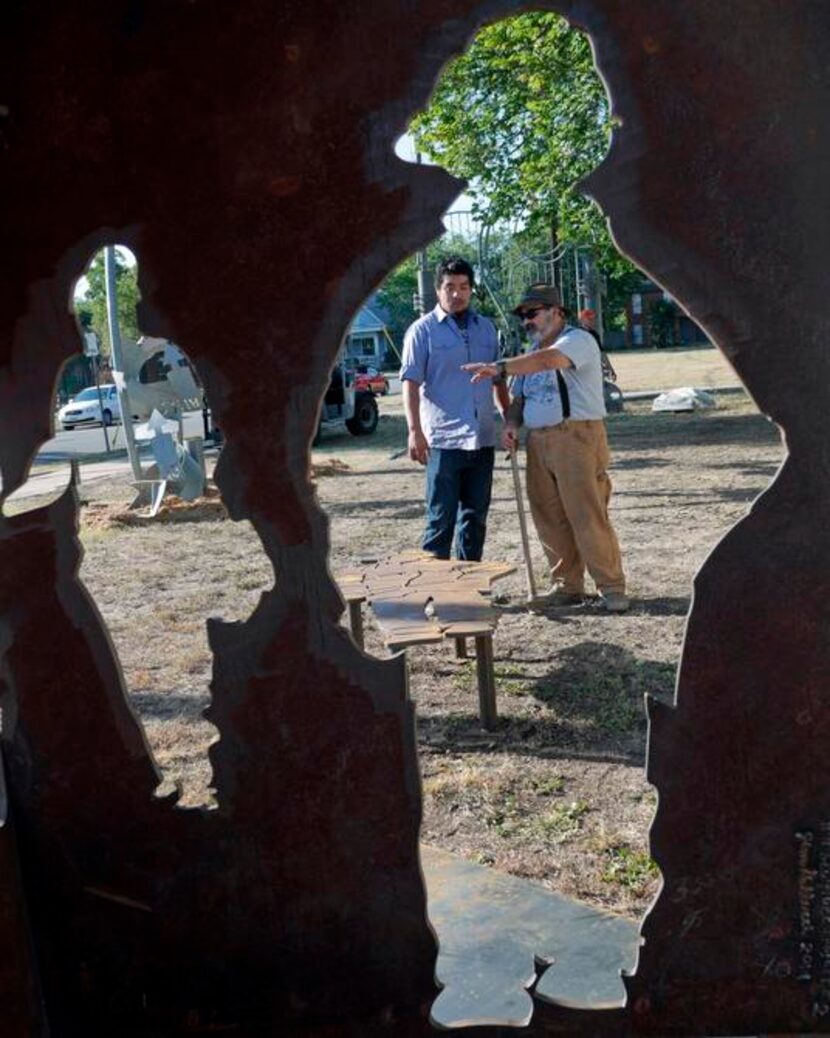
{"points": [[330, 467], [102, 515], [557, 792]]}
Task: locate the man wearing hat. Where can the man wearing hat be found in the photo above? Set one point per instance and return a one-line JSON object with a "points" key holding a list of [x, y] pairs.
{"points": [[558, 394]]}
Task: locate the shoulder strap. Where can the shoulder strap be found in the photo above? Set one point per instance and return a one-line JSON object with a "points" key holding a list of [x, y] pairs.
{"points": [[563, 393], [560, 381]]}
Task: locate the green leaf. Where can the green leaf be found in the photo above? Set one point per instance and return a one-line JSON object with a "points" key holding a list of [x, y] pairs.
{"points": [[524, 115]]}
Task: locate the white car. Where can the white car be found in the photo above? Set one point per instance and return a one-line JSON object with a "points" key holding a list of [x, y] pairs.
{"points": [[85, 408]]}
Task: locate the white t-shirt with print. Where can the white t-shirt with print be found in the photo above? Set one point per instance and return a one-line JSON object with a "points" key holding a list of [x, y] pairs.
{"points": [[543, 404]]}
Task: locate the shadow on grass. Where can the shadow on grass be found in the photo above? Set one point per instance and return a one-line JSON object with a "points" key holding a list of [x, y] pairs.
{"points": [[541, 738], [647, 432], [405, 508], [641, 463], [765, 469], [592, 707], [691, 497], [390, 435], [164, 705], [666, 606], [599, 688], [365, 473]]}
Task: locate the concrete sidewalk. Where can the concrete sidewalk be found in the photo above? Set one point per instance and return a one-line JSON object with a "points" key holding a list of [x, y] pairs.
{"points": [[50, 479], [51, 471]]}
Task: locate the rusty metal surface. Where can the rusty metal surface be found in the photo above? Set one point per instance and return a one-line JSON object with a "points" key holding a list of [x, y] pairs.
{"points": [[244, 152], [21, 1006], [417, 598]]}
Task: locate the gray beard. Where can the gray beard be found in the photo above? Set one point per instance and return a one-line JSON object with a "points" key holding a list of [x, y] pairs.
{"points": [[541, 339]]}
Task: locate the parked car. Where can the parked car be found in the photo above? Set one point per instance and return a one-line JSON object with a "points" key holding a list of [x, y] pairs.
{"points": [[85, 408], [372, 381]]}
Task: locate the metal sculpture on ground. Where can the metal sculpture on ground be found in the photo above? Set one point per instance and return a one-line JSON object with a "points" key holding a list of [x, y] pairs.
{"points": [[417, 599], [298, 904]]}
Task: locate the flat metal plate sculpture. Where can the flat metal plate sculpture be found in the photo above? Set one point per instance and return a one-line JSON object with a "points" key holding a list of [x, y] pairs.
{"points": [[502, 936], [244, 152], [417, 599]]}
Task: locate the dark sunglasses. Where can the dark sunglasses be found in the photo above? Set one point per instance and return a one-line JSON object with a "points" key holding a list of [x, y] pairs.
{"points": [[528, 315]]}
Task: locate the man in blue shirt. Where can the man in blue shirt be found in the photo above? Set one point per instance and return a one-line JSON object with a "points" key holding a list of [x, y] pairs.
{"points": [[451, 419]]}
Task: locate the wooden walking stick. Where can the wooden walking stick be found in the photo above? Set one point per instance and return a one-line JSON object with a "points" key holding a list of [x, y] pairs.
{"points": [[520, 507]]}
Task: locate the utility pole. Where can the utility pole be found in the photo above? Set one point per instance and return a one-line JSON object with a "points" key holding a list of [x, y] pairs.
{"points": [[117, 361], [93, 354], [593, 291], [426, 289], [600, 321], [557, 276]]}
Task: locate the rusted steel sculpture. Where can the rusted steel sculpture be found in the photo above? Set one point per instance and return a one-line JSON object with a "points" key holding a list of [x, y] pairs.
{"points": [[244, 152], [417, 599]]}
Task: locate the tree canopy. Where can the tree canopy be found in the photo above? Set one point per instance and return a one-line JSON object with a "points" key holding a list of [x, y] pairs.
{"points": [[523, 115], [91, 308]]}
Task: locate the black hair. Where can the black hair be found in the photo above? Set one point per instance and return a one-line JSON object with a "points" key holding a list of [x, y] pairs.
{"points": [[450, 265]]}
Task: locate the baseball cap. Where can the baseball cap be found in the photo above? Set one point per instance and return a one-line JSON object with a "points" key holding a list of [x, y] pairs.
{"points": [[538, 295]]}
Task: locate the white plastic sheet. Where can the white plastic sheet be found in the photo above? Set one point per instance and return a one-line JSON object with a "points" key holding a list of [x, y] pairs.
{"points": [[686, 398]]}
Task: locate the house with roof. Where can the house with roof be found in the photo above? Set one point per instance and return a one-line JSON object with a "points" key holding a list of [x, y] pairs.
{"points": [[368, 342]]}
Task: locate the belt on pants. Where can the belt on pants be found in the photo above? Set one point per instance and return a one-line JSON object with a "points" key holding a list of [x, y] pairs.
{"points": [[564, 424]]}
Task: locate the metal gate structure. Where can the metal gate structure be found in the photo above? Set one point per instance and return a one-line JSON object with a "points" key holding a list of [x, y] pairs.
{"points": [[504, 272]]}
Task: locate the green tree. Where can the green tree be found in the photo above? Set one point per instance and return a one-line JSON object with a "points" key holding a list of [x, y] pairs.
{"points": [[395, 296], [662, 323], [523, 115], [91, 308]]}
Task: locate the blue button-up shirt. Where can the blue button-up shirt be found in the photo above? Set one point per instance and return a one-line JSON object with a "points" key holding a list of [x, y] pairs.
{"points": [[455, 412]]}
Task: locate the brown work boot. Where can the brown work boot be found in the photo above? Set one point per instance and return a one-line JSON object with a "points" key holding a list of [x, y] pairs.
{"points": [[614, 601], [558, 597]]}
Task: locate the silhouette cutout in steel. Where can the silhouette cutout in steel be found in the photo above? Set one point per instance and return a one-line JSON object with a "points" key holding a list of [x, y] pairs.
{"points": [[271, 206]]}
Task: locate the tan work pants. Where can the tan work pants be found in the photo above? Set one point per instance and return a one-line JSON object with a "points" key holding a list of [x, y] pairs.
{"points": [[569, 489]]}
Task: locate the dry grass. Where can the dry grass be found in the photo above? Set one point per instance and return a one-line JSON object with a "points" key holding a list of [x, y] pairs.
{"points": [[329, 467], [666, 369], [103, 515], [557, 793]]}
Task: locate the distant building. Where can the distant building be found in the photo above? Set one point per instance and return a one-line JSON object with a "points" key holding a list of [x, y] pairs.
{"points": [[654, 319], [368, 340]]}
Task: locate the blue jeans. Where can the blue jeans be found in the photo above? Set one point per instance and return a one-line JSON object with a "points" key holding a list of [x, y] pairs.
{"points": [[458, 495]]}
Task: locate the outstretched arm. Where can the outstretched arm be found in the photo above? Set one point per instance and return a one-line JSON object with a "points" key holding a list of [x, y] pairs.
{"points": [[526, 364]]}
